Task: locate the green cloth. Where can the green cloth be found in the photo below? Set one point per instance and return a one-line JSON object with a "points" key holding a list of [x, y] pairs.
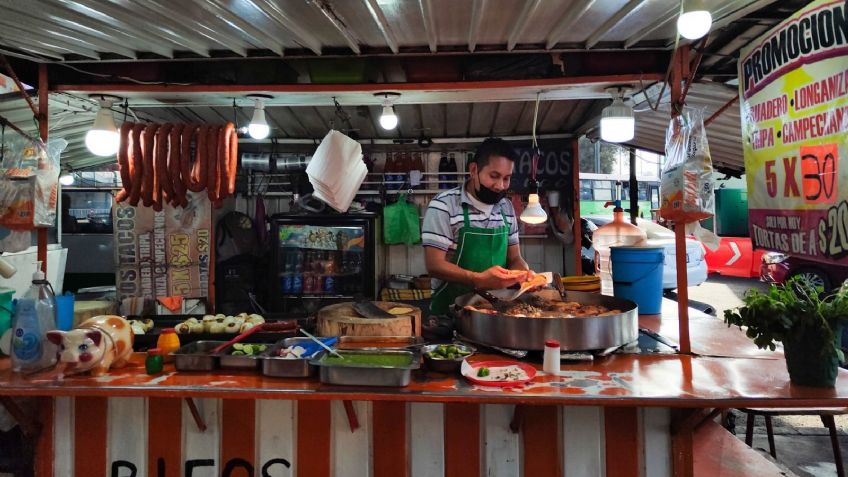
{"points": [[401, 223], [477, 250]]}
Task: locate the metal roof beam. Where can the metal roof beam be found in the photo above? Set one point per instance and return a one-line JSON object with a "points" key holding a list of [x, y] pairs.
{"points": [[429, 24], [272, 10], [477, 10], [73, 19], [14, 18], [23, 46], [127, 20], [520, 24], [261, 39], [30, 37], [568, 19], [613, 22], [218, 35], [382, 23], [324, 8], [668, 16]]}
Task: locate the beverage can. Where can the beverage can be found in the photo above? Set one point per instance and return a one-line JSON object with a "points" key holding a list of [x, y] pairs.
{"points": [[329, 284], [286, 283], [297, 283]]}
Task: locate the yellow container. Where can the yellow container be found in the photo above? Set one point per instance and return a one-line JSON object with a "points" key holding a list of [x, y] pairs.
{"points": [[584, 283]]}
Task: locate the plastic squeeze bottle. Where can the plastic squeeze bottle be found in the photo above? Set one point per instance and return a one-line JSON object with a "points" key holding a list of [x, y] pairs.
{"points": [[617, 233], [35, 315]]}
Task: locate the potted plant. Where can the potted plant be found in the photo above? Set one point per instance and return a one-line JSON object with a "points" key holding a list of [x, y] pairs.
{"points": [[808, 324]]}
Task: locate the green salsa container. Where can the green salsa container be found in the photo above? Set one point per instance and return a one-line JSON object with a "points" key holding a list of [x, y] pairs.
{"points": [[368, 367]]}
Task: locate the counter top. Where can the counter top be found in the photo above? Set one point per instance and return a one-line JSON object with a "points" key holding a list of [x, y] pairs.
{"points": [[725, 370]]}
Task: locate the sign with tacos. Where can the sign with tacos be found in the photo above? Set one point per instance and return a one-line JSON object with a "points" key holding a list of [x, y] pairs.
{"points": [[166, 253], [793, 87]]}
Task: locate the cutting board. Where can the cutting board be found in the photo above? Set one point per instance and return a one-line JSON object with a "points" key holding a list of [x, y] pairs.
{"points": [[341, 320]]}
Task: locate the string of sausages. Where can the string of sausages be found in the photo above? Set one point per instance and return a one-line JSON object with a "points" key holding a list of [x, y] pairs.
{"points": [[158, 164]]}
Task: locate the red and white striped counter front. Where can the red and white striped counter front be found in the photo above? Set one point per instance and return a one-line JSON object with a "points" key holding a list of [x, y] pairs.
{"points": [[625, 415]]}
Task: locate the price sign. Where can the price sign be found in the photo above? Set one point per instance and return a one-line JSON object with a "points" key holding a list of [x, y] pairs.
{"points": [[818, 168]]}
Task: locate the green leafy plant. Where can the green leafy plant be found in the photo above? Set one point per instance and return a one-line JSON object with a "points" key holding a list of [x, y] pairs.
{"points": [[790, 311]]}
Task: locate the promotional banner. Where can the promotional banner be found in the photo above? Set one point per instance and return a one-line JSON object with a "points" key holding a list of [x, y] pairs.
{"points": [[166, 253], [793, 86]]}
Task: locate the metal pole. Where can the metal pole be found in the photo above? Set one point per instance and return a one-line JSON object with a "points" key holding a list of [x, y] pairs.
{"points": [[43, 98], [678, 73]]}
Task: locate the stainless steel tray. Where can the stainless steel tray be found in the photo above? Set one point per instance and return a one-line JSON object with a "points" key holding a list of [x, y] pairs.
{"points": [[196, 356], [273, 365], [246, 362], [363, 375], [574, 334], [378, 342]]}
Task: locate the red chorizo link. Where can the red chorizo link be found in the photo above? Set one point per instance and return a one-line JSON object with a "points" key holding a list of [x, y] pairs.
{"points": [[233, 168], [164, 187], [201, 162], [186, 168], [224, 159], [147, 143], [124, 162], [213, 173], [136, 164], [174, 165]]}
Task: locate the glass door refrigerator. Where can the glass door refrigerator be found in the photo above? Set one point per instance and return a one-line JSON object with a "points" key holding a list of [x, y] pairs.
{"points": [[318, 260]]}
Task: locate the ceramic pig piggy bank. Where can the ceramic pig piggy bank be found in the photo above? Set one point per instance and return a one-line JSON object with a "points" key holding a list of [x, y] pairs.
{"points": [[97, 344]]}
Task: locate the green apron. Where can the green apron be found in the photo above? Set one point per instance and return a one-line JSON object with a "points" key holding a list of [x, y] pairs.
{"points": [[477, 249]]}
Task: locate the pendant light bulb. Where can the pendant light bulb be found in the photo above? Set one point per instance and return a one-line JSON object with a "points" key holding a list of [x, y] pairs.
{"points": [[388, 120], [617, 122], [103, 138], [258, 127], [66, 179], [695, 21], [534, 213]]}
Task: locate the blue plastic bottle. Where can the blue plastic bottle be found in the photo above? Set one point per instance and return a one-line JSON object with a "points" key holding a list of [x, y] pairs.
{"points": [[35, 315]]}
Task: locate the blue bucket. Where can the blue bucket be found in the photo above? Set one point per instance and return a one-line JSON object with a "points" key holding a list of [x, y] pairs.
{"points": [[637, 276]]}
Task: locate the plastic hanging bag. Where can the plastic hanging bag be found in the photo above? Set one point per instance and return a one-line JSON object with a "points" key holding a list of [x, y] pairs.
{"points": [[686, 186], [401, 223], [29, 183]]}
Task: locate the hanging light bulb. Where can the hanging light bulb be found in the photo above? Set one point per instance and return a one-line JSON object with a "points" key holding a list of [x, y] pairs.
{"points": [[617, 121], [258, 127], [103, 138], [695, 20], [66, 179], [388, 119], [534, 213]]}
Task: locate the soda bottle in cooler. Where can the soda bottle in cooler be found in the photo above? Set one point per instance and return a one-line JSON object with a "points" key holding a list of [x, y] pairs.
{"points": [[298, 261], [286, 283], [308, 283]]}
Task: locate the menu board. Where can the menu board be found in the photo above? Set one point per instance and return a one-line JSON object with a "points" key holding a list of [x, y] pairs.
{"points": [[349, 239], [793, 86], [164, 253]]}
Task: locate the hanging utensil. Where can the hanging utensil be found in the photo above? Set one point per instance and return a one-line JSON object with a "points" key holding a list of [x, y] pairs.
{"points": [[329, 350], [278, 326]]}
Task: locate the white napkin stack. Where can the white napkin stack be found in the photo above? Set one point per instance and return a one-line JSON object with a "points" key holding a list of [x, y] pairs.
{"points": [[336, 170]]}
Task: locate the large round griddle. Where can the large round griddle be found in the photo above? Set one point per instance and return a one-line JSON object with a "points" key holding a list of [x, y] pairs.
{"points": [[574, 334]]}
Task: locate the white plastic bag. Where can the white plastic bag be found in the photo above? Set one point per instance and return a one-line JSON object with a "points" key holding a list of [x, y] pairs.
{"points": [[686, 186]]}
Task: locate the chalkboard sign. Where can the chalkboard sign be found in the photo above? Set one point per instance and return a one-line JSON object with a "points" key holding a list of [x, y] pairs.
{"points": [[554, 169]]}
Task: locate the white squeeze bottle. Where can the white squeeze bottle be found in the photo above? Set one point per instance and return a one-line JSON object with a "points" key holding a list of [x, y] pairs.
{"points": [[614, 234], [35, 315]]}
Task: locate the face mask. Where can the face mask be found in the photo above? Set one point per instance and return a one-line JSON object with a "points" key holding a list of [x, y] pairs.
{"points": [[488, 196]]}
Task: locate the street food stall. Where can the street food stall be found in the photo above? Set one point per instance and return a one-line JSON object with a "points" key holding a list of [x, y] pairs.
{"points": [[272, 315]]}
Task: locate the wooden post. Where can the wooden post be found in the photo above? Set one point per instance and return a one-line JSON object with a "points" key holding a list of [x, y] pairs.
{"points": [[43, 98], [634, 188]]}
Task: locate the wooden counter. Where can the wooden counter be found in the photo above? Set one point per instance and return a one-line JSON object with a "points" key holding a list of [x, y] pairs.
{"points": [[612, 417]]}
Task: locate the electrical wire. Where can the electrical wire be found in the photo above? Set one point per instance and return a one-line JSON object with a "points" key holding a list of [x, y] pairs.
{"points": [[125, 78]]}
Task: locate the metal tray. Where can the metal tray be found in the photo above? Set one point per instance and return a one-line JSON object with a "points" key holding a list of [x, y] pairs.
{"points": [[196, 356], [276, 366], [574, 334], [378, 342], [246, 362], [361, 375]]}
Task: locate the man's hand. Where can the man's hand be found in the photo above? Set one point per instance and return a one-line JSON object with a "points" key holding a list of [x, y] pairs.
{"points": [[496, 277]]}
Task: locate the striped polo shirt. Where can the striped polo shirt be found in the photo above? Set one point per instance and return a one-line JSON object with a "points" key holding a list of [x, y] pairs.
{"points": [[443, 219]]}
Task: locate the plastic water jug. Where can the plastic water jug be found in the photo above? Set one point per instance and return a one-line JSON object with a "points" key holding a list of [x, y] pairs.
{"points": [[614, 234], [35, 315]]}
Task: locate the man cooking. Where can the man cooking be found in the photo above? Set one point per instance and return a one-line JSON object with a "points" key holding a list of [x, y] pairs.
{"points": [[470, 233]]}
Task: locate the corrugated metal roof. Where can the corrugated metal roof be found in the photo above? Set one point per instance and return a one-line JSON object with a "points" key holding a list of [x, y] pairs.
{"points": [[113, 29], [69, 31]]}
